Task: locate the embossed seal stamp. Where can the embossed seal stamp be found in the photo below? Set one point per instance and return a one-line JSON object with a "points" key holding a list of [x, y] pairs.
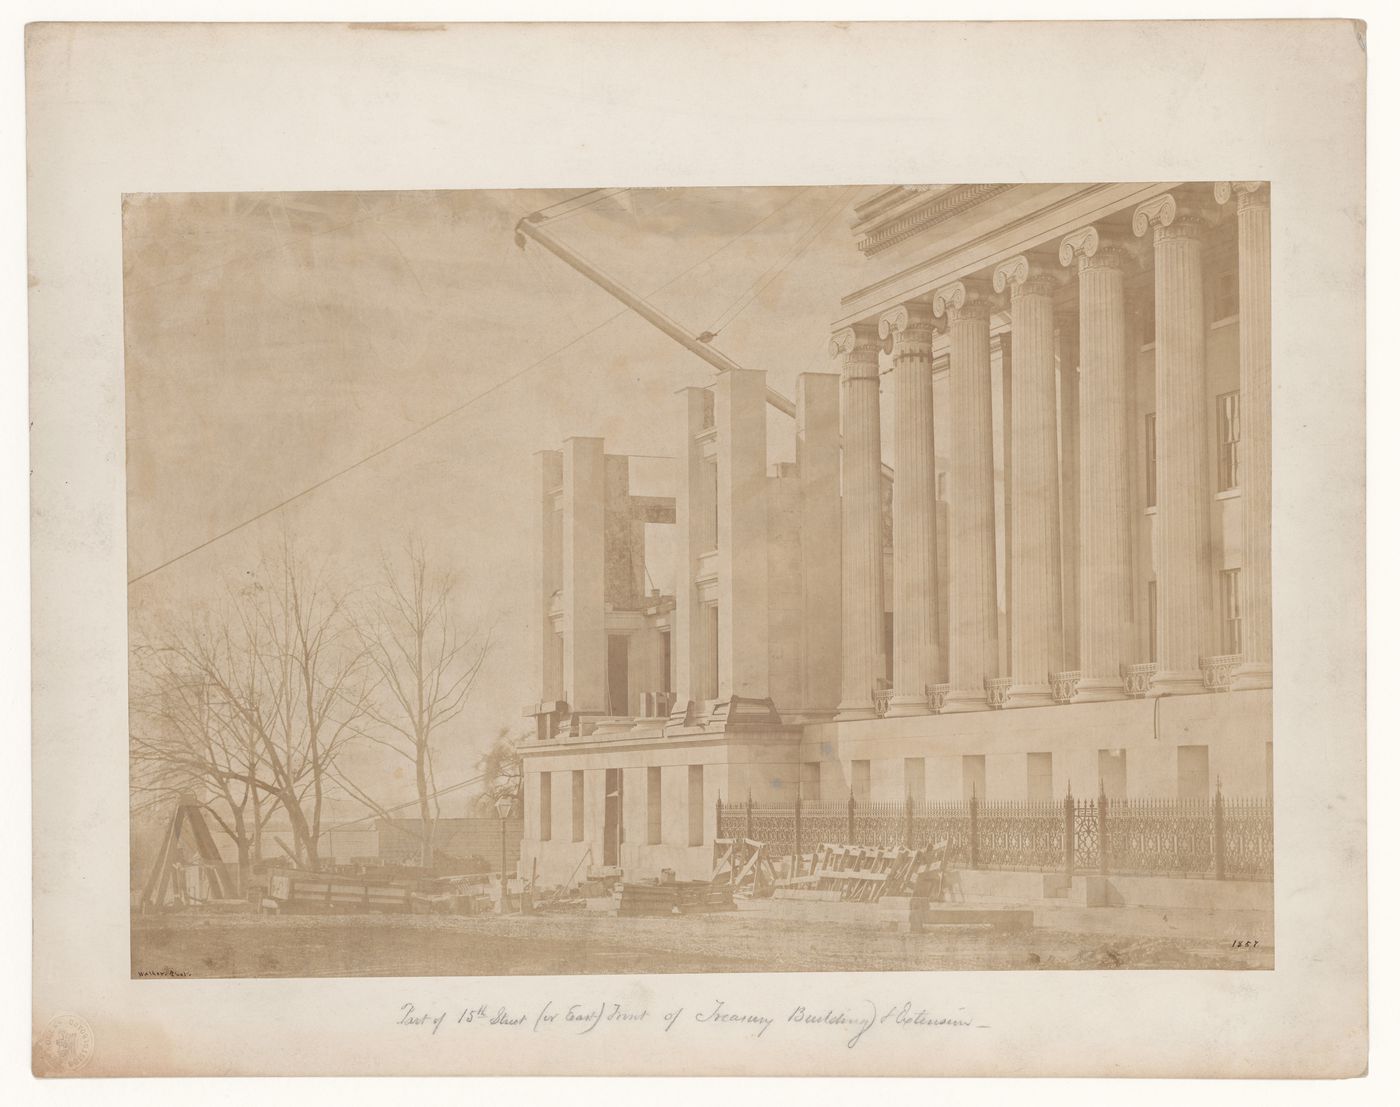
{"points": [[66, 1044]]}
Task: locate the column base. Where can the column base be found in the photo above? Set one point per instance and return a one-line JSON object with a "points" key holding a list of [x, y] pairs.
{"points": [[1099, 689], [1029, 695], [1188, 682], [908, 703], [848, 711], [966, 700], [1254, 674]]}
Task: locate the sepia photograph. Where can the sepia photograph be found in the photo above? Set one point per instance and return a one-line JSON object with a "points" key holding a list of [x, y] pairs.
{"points": [[700, 580]]}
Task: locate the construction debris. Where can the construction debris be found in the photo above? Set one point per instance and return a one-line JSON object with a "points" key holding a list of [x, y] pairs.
{"points": [[743, 865], [669, 897]]}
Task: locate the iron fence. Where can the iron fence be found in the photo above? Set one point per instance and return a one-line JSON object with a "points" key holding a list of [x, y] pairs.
{"points": [[1220, 838]]}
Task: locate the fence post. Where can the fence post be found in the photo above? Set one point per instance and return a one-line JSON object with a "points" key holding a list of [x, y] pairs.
{"points": [[1069, 834], [851, 818], [748, 817], [1103, 831], [797, 836], [908, 820], [972, 829], [1219, 832]]}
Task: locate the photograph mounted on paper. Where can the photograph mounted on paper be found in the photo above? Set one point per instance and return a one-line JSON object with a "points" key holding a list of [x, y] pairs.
{"points": [[699, 580]]}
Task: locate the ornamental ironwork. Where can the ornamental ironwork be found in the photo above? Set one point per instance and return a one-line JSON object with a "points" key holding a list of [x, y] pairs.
{"points": [[1217, 838]]}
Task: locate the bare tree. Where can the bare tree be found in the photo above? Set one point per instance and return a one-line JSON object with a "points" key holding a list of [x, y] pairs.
{"points": [[186, 741], [426, 667], [502, 773], [282, 675]]}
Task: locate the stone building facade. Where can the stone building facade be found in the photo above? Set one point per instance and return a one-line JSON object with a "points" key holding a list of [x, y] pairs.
{"points": [[1060, 581]]}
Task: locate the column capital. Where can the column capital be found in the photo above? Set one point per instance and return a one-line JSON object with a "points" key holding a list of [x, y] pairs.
{"points": [[969, 298], [1247, 194], [1094, 248], [1170, 216], [860, 343], [909, 328], [1024, 276]]}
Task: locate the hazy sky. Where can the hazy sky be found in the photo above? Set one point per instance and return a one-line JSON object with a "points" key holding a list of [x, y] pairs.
{"points": [[273, 339]]}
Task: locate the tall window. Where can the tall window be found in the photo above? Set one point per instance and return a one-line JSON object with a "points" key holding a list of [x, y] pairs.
{"points": [[1227, 441], [1038, 780], [695, 798], [1151, 620], [665, 661], [915, 781], [1150, 468], [654, 805], [1225, 295], [1231, 626], [546, 807], [577, 808], [860, 781]]}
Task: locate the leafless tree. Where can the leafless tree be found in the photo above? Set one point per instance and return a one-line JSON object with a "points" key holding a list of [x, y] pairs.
{"points": [[282, 674], [426, 666]]}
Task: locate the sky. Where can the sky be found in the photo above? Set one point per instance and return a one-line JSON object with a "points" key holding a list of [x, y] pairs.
{"points": [[275, 340]]}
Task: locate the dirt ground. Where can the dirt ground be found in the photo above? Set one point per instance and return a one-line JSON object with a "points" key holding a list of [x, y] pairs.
{"points": [[189, 945]]}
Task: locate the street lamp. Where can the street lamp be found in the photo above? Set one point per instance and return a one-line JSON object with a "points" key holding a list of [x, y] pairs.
{"points": [[504, 803]]}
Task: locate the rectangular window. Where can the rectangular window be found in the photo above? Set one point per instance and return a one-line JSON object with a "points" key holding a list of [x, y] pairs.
{"points": [[1231, 625], [1039, 788], [654, 805], [811, 783], [1227, 441], [1113, 773], [712, 658], [860, 781], [1151, 620], [915, 783], [1150, 468], [618, 690], [1193, 772], [665, 662], [1225, 295], [577, 807], [695, 784], [974, 769], [546, 807]]}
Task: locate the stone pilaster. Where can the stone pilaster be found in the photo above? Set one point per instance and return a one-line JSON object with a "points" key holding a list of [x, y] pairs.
{"points": [[862, 522], [741, 462], [972, 624], [1184, 591], [1067, 356], [819, 472], [585, 637], [1033, 561], [908, 331], [1256, 434], [695, 509], [1105, 471]]}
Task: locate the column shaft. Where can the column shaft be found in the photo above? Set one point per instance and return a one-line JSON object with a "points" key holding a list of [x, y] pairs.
{"points": [[910, 328], [1037, 636], [1105, 471], [1184, 594], [972, 624], [862, 521]]}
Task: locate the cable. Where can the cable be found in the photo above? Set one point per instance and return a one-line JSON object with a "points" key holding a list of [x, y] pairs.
{"points": [[447, 414]]}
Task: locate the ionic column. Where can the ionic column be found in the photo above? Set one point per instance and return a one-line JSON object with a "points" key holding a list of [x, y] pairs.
{"points": [[972, 622], [1033, 561], [1105, 469], [1256, 434], [862, 521], [908, 331], [1184, 594]]}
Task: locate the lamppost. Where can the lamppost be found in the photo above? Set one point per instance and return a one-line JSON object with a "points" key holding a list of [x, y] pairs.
{"points": [[504, 803]]}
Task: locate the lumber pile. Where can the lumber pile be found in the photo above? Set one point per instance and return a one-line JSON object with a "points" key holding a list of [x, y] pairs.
{"points": [[744, 867], [864, 874], [690, 897]]}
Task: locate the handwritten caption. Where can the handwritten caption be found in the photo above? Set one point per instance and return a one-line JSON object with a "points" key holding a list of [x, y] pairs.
{"points": [[851, 1024]]}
